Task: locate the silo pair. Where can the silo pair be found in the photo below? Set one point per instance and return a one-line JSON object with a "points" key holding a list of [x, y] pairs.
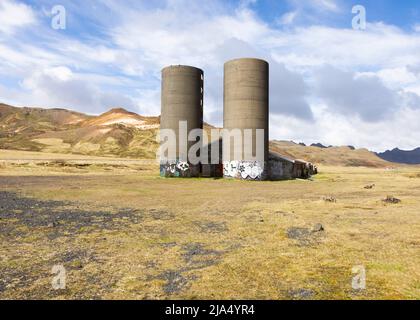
{"points": [[245, 108]]}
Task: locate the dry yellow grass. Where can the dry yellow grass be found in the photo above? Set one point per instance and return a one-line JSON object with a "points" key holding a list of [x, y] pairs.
{"points": [[125, 233]]}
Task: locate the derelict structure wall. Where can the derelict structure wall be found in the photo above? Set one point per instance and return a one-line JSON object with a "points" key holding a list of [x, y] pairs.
{"points": [[246, 106], [181, 100]]}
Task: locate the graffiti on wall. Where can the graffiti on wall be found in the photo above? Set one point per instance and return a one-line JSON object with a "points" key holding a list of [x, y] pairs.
{"points": [[183, 166], [247, 170], [178, 169]]}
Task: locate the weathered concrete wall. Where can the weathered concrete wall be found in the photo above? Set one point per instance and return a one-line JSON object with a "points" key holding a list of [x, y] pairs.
{"points": [[280, 168], [181, 100], [245, 170], [245, 106], [214, 170], [179, 169]]}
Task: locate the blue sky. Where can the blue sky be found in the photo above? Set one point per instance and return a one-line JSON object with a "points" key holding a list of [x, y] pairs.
{"points": [[329, 82]]}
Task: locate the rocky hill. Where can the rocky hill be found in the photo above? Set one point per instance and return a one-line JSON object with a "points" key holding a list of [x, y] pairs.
{"points": [[340, 156], [117, 132], [121, 133], [401, 156]]}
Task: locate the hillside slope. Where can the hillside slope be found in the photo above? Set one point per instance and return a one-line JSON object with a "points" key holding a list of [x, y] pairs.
{"points": [[121, 133], [340, 156], [115, 133]]}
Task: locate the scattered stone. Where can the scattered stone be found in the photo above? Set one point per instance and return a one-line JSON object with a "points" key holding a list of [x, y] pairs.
{"points": [[392, 200], [151, 265], [330, 199], [297, 233], [52, 225], [168, 244], [301, 294], [370, 186], [161, 214], [77, 264], [318, 228], [306, 236], [211, 226]]}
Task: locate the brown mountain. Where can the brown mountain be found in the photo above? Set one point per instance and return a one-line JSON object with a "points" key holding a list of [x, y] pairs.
{"points": [[117, 132], [121, 133], [340, 156]]}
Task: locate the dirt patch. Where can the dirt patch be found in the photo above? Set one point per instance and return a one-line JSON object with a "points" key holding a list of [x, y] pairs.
{"points": [[161, 214], [16, 278], [197, 257], [301, 294], [175, 281], [306, 236], [76, 259], [211, 227], [58, 216]]}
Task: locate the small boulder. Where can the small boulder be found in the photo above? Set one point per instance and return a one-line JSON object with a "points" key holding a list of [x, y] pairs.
{"points": [[318, 228], [370, 186], [52, 224], [392, 200], [330, 199]]}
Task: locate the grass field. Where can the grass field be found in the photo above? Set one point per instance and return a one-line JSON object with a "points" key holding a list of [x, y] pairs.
{"points": [[122, 232]]}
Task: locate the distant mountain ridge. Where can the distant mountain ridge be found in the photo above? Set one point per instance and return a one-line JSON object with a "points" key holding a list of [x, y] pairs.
{"points": [[122, 133], [336, 156], [401, 156]]}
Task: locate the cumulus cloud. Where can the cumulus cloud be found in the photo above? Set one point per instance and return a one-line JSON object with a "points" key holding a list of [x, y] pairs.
{"points": [[411, 100], [347, 93], [372, 82], [379, 46], [287, 18], [287, 93], [14, 15], [60, 87]]}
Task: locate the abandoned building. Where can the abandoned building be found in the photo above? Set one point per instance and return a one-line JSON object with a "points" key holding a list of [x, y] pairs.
{"points": [[245, 107]]}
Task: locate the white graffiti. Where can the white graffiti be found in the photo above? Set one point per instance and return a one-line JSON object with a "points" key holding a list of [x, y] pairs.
{"points": [[171, 167], [183, 166], [230, 169], [243, 169]]}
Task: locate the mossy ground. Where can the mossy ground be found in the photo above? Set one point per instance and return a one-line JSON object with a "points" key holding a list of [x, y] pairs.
{"points": [[123, 232]]}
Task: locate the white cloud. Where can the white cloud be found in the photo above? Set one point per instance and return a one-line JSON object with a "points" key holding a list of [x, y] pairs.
{"points": [[373, 83], [14, 15], [60, 87], [348, 94], [287, 18], [380, 46]]}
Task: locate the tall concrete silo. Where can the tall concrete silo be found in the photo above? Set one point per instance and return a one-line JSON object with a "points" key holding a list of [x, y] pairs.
{"points": [[246, 106], [181, 103]]}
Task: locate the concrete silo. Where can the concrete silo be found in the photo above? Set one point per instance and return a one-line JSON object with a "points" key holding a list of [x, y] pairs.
{"points": [[181, 103], [246, 106]]}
